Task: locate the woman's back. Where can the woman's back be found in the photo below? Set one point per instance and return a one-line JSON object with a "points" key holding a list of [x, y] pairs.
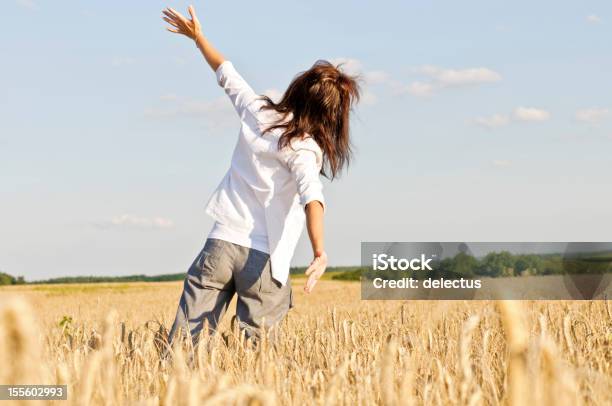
{"points": [[258, 199]]}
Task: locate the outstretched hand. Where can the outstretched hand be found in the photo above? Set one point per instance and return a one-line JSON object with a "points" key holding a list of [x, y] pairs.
{"points": [[181, 25], [315, 270]]}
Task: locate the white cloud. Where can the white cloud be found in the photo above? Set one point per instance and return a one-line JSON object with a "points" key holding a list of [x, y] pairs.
{"points": [[196, 107], [376, 77], [354, 67], [593, 19], [129, 221], [460, 77], [441, 78], [519, 114], [28, 4], [592, 115], [501, 163], [350, 66], [216, 112], [494, 121], [382, 78], [530, 114], [368, 98], [436, 78], [421, 89]]}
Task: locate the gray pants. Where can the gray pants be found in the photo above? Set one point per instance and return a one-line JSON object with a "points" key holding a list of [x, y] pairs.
{"points": [[221, 270]]}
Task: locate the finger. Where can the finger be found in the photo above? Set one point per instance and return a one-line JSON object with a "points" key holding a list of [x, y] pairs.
{"points": [[313, 279], [175, 21], [310, 268], [310, 284], [192, 13], [174, 31], [171, 22], [170, 13], [177, 14], [176, 18]]}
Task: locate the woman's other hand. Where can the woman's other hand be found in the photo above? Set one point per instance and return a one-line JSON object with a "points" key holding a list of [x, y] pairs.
{"points": [[315, 271], [181, 25]]}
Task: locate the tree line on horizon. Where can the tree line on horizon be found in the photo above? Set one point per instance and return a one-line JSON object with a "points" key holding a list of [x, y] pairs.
{"points": [[494, 264], [6, 279], [506, 264]]}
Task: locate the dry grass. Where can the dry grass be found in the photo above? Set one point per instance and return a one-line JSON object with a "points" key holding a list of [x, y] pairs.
{"points": [[332, 349]]}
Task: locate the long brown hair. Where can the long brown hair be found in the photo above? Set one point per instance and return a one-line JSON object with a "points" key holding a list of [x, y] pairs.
{"points": [[319, 101]]}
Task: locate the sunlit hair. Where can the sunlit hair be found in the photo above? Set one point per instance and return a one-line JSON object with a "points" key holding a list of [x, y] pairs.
{"points": [[318, 102]]}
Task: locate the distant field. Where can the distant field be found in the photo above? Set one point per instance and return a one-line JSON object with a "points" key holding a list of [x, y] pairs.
{"points": [[338, 271], [99, 339]]}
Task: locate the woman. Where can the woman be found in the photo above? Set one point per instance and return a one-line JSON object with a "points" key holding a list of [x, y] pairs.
{"points": [[271, 185]]}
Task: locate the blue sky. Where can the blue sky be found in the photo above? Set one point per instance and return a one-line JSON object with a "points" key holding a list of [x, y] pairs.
{"points": [[481, 121]]}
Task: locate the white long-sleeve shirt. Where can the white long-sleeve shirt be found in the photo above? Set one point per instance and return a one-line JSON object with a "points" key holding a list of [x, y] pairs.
{"points": [[265, 190]]}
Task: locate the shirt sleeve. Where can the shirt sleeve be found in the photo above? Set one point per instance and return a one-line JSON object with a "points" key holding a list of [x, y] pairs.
{"points": [[238, 90], [305, 167]]}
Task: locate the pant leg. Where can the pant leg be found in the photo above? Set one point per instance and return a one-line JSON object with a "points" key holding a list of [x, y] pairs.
{"points": [[262, 301], [207, 290]]}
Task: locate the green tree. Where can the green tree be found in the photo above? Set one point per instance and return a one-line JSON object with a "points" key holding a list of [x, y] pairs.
{"points": [[441, 269], [496, 264], [6, 279], [464, 265], [528, 262], [551, 266], [461, 265]]}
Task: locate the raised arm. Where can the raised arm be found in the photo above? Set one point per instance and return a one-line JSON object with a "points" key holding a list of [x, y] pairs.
{"points": [[240, 93], [192, 29]]}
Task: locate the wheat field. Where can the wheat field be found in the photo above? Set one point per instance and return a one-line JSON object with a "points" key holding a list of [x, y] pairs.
{"points": [[333, 348]]}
